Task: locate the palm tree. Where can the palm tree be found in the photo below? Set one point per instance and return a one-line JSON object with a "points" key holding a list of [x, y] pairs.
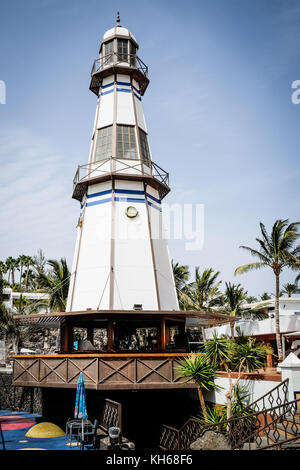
{"points": [[204, 293], [197, 369], [57, 283], [9, 328], [290, 289], [22, 260], [234, 296], [12, 265], [265, 296], [250, 299], [276, 251], [181, 275], [28, 262]]}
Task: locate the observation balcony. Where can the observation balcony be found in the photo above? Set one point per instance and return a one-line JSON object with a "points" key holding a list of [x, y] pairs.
{"points": [[119, 63], [120, 168]]}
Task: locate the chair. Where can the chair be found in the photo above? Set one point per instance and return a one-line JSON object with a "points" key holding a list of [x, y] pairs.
{"points": [[111, 417], [89, 437], [73, 426]]}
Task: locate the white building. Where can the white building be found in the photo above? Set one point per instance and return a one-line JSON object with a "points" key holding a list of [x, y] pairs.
{"points": [[289, 319], [9, 298]]}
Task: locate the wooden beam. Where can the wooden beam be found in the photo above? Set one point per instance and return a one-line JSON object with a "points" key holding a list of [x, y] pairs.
{"points": [[163, 334]]}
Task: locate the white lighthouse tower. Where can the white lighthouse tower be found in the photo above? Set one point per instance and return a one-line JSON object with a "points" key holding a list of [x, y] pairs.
{"points": [[121, 259]]}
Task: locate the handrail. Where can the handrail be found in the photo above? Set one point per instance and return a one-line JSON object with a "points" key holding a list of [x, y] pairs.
{"points": [[184, 436], [95, 169], [115, 58]]}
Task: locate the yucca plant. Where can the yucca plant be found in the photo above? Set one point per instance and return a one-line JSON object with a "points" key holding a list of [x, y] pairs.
{"points": [[196, 368]]}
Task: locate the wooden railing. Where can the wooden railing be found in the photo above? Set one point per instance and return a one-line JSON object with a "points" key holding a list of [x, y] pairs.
{"points": [[101, 372]]}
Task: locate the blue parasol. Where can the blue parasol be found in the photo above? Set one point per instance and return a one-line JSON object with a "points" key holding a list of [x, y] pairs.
{"points": [[80, 404]]}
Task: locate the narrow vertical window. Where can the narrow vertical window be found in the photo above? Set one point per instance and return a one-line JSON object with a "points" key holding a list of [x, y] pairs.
{"points": [[126, 142], [103, 144], [122, 50], [132, 55], [108, 52], [145, 147]]}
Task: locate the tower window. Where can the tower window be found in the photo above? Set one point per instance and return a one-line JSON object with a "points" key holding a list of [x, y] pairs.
{"points": [[145, 147], [123, 50], [109, 50], [126, 142], [132, 55], [103, 144]]}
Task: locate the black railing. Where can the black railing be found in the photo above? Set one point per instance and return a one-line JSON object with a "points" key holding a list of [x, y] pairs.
{"points": [[117, 58], [272, 421], [119, 166]]}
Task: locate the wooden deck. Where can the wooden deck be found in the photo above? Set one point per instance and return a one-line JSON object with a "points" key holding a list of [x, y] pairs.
{"points": [[101, 371]]}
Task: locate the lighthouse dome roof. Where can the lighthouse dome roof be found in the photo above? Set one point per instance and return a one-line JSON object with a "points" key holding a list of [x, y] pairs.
{"points": [[118, 31]]}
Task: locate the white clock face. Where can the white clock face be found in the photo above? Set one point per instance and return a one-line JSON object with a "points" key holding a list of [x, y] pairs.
{"points": [[131, 212]]}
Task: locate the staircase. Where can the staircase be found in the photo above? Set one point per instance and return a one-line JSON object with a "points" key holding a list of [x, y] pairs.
{"points": [[285, 435], [274, 423]]}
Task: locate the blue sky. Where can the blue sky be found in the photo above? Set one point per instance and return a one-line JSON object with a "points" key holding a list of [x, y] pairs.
{"points": [[218, 110]]}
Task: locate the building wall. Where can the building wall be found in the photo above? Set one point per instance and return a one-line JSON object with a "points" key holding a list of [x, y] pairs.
{"points": [[259, 327], [255, 388], [134, 247]]}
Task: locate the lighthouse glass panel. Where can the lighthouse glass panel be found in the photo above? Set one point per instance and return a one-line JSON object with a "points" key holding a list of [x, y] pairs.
{"points": [[145, 147], [103, 144], [126, 142], [123, 50], [109, 50], [132, 55]]}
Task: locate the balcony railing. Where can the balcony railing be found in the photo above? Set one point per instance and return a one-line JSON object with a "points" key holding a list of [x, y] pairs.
{"points": [[122, 168], [101, 371], [117, 58]]}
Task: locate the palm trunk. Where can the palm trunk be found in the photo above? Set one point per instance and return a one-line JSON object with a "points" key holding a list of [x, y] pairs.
{"points": [[202, 403], [277, 324], [232, 329], [27, 277]]}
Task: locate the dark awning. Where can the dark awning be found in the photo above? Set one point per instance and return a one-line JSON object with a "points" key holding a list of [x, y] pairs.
{"points": [[54, 320]]}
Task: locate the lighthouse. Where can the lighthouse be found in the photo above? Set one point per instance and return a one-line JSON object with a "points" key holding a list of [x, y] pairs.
{"points": [[122, 328], [121, 259]]}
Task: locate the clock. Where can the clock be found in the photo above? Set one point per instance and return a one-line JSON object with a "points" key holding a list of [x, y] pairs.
{"points": [[131, 212]]}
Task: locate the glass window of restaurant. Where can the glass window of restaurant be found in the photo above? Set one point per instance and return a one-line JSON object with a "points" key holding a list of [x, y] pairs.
{"points": [[136, 337]]}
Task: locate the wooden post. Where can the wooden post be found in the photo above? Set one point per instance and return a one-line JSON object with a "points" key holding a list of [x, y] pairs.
{"points": [[163, 334], [90, 334], [67, 337], [110, 336]]}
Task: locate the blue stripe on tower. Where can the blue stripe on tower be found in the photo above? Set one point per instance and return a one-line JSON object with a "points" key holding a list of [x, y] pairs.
{"points": [[124, 83], [154, 206], [106, 92], [137, 96], [101, 193], [109, 84], [101, 201], [124, 90], [136, 89], [129, 191], [154, 198], [129, 199]]}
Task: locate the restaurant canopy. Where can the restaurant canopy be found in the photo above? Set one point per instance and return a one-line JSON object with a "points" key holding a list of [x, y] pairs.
{"points": [[55, 320]]}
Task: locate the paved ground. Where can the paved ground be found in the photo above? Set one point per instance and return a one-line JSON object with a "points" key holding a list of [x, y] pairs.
{"points": [[14, 426]]}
